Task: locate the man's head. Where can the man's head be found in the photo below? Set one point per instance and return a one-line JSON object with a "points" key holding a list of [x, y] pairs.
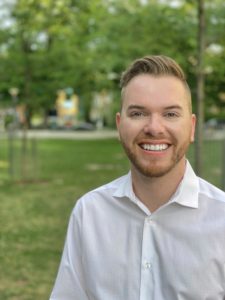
{"points": [[155, 65], [155, 124]]}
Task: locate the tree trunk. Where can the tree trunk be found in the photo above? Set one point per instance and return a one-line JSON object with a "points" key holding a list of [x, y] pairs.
{"points": [[200, 89]]}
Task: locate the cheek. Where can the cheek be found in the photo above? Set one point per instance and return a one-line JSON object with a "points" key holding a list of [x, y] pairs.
{"points": [[126, 134], [128, 131], [184, 135]]}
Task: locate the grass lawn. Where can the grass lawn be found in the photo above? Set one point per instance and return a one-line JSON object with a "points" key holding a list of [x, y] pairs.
{"points": [[34, 215]]}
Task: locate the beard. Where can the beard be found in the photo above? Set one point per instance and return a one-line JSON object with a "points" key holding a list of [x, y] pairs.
{"points": [[154, 167]]}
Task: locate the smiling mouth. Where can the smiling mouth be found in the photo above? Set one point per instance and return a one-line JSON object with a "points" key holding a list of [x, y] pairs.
{"points": [[154, 147]]}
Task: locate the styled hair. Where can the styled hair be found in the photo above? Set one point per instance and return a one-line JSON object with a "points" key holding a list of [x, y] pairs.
{"points": [[155, 65]]}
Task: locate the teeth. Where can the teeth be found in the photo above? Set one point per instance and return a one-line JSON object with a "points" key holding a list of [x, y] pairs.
{"points": [[155, 147]]}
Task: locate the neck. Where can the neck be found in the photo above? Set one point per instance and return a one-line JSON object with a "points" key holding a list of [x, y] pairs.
{"points": [[156, 191]]}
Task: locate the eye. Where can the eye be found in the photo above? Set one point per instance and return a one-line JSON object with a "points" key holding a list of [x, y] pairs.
{"points": [[137, 114], [171, 115]]}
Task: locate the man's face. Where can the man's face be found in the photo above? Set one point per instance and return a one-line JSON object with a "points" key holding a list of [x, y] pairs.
{"points": [[155, 124]]}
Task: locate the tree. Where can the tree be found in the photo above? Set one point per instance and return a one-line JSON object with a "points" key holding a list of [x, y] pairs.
{"points": [[200, 86], [86, 45]]}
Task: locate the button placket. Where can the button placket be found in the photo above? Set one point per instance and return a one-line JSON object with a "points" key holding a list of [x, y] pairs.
{"points": [[150, 221], [147, 261]]}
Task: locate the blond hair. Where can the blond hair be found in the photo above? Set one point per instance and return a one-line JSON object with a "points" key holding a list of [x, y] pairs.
{"points": [[155, 65]]}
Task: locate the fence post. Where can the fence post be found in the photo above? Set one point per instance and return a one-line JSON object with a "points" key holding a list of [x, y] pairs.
{"points": [[11, 152]]}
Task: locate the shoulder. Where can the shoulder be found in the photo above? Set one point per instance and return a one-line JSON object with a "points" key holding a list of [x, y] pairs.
{"points": [[109, 187], [210, 191], [100, 196]]}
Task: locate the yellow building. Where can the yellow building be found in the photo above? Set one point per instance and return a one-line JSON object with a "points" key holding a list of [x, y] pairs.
{"points": [[67, 109]]}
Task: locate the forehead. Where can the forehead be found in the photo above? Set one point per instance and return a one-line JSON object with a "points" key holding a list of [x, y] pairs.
{"points": [[147, 90]]}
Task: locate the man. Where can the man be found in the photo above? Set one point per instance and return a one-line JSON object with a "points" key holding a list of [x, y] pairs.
{"points": [[157, 233]]}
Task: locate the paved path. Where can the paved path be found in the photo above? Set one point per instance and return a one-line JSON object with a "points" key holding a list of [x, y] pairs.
{"points": [[64, 134], [96, 134]]}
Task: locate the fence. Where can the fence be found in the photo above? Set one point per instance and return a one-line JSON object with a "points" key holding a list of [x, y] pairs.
{"points": [[213, 160], [18, 158]]}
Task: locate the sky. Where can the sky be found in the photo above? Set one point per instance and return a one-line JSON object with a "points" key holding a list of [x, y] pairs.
{"points": [[4, 13]]}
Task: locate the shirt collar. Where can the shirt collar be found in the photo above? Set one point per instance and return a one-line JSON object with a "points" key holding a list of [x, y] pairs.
{"points": [[125, 188], [186, 193]]}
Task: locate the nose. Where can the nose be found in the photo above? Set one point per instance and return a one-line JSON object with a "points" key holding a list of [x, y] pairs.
{"points": [[154, 126]]}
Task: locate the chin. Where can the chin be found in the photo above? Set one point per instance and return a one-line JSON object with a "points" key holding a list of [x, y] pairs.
{"points": [[154, 170]]}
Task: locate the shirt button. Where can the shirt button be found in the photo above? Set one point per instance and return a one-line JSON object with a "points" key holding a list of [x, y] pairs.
{"points": [[149, 221], [147, 265]]}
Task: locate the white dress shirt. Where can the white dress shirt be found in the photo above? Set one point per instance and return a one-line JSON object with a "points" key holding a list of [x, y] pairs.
{"points": [[117, 250]]}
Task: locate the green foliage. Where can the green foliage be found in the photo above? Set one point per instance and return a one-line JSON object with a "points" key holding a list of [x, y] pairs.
{"points": [[86, 44]]}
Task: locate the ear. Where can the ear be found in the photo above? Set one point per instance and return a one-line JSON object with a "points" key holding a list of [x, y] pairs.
{"points": [[193, 125], [118, 117]]}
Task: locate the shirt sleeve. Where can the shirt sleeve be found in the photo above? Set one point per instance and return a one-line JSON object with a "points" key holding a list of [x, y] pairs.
{"points": [[69, 284]]}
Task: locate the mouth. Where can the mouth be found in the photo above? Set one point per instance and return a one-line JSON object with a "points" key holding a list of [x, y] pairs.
{"points": [[154, 147]]}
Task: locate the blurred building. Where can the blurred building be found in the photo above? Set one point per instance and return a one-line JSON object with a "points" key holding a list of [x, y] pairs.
{"points": [[101, 108], [66, 110]]}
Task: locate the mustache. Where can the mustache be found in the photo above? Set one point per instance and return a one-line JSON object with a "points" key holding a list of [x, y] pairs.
{"points": [[152, 137]]}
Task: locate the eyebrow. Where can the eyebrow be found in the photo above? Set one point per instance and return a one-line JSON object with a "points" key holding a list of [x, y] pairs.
{"points": [[165, 108], [130, 107], [174, 107]]}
